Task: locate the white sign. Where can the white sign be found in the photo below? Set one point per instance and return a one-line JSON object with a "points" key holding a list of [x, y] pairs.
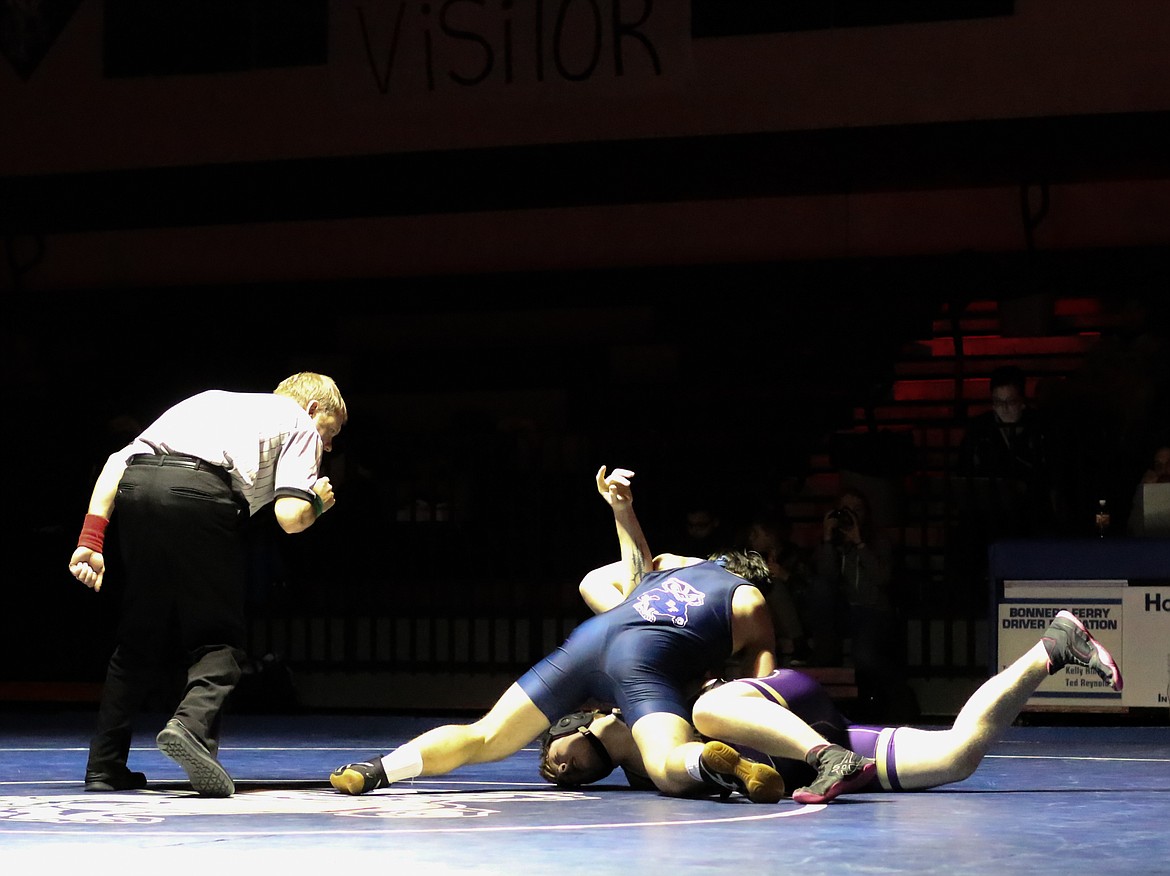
{"points": [[1145, 660], [1026, 610], [1132, 622]]}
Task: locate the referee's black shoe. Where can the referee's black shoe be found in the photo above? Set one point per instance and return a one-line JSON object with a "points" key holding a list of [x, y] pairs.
{"points": [[117, 778], [207, 775]]}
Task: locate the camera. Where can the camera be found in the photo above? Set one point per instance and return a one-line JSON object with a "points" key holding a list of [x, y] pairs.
{"points": [[844, 518]]}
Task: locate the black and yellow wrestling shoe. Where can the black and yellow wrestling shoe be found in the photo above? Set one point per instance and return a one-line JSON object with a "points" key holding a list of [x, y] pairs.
{"points": [[722, 766], [359, 778]]}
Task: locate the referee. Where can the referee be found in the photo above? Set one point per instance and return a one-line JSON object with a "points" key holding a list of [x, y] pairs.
{"points": [[183, 490]]}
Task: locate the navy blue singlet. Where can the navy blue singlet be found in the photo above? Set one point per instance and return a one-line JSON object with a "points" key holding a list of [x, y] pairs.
{"points": [[648, 653]]}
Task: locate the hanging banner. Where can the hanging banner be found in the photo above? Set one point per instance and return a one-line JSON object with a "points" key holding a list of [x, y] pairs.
{"points": [[433, 52]]}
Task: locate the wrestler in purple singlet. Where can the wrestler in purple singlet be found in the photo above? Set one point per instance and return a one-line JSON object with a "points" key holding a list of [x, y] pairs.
{"points": [[804, 696]]}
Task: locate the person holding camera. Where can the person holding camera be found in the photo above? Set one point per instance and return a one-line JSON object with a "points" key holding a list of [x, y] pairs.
{"points": [[852, 569], [852, 555]]}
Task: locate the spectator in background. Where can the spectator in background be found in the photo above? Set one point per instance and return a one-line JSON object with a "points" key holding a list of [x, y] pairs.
{"points": [[852, 573], [1004, 488], [1159, 470], [1145, 517], [769, 535], [1007, 446], [1003, 441], [703, 534]]}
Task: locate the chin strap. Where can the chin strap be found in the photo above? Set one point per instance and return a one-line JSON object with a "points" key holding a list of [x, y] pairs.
{"points": [[598, 746]]}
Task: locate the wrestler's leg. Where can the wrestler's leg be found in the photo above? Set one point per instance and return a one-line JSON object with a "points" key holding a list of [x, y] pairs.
{"points": [[743, 714], [738, 713], [667, 745], [512, 723], [926, 758]]}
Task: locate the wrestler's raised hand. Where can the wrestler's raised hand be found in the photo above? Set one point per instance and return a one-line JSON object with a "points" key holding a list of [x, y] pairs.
{"points": [[615, 488]]}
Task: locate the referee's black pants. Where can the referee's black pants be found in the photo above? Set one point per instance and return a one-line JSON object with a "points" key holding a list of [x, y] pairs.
{"points": [[181, 533]]}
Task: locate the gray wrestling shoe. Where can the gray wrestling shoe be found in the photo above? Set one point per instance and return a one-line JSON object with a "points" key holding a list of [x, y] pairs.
{"points": [[722, 766], [207, 776], [359, 778], [839, 771], [1068, 642]]}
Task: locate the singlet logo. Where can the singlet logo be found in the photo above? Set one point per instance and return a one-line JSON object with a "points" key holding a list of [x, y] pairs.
{"points": [[670, 601]]}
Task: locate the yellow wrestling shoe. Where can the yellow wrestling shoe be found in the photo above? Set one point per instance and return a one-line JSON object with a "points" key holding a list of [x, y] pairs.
{"points": [[359, 778], [723, 766]]}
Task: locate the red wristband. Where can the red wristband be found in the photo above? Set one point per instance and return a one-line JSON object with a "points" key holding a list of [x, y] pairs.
{"points": [[93, 533]]}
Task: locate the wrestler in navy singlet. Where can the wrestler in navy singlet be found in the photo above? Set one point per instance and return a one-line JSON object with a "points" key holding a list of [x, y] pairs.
{"points": [[648, 653]]}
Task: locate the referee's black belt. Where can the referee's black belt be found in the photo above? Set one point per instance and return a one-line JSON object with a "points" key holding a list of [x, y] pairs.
{"points": [[179, 461]]}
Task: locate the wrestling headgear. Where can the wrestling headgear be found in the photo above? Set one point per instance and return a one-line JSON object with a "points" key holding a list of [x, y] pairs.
{"points": [[575, 722]]}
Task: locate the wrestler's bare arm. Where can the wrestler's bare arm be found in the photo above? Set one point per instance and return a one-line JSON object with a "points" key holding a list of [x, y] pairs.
{"points": [[752, 635]]}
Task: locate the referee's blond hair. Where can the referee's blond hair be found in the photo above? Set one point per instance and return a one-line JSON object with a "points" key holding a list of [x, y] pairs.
{"points": [[307, 386]]}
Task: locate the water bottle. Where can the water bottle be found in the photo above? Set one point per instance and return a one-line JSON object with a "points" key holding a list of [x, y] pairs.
{"points": [[1102, 518]]}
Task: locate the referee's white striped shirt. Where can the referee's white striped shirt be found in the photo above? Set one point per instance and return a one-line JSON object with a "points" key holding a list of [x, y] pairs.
{"points": [[268, 443]]}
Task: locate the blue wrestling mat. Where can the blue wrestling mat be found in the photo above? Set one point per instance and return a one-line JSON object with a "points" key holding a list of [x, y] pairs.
{"points": [[1047, 799]]}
